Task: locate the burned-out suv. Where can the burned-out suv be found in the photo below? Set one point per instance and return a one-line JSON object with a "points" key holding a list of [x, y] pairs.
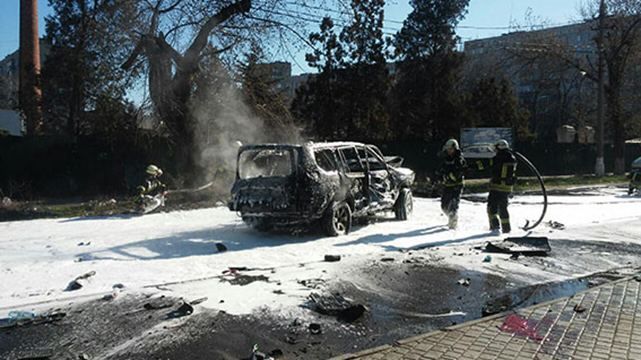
{"points": [[318, 183]]}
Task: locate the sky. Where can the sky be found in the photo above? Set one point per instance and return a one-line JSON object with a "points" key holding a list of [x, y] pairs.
{"points": [[485, 18]]}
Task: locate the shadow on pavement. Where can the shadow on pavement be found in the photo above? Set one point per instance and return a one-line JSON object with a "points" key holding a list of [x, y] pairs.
{"points": [[195, 243]]}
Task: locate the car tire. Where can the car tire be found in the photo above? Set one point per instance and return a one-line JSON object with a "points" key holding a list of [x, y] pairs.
{"points": [[404, 205], [338, 219]]}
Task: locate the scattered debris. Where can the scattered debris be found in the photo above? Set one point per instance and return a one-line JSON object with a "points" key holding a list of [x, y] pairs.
{"points": [[86, 275], [275, 353], [199, 301], [161, 302], [24, 318], [430, 316], [579, 309], [257, 355], [337, 305], [532, 246], [235, 269], [556, 225], [332, 258], [221, 247], [464, 282], [110, 297], [84, 243], [116, 289], [311, 283], [487, 259], [243, 279], [184, 310], [78, 283], [315, 329]]}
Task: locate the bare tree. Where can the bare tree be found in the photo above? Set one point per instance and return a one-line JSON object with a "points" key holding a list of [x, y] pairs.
{"points": [[620, 50], [621, 46], [171, 72]]}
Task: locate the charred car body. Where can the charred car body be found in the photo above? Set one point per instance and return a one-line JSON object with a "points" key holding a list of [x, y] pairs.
{"points": [[318, 183]]}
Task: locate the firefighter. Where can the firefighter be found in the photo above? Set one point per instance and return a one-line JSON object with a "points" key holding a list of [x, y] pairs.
{"points": [[152, 192], [152, 186], [451, 174], [503, 177]]}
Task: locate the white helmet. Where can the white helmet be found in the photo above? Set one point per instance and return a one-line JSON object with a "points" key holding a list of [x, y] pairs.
{"points": [[153, 170], [451, 144], [502, 145]]}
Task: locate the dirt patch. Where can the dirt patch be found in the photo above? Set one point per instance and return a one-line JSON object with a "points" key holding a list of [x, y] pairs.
{"points": [[93, 329]]}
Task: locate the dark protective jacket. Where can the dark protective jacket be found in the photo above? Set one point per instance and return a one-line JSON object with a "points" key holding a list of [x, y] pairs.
{"points": [[152, 187], [452, 170], [503, 171]]}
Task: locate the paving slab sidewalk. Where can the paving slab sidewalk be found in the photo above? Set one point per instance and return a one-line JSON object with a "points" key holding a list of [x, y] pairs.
{"points": [[600, 323]]}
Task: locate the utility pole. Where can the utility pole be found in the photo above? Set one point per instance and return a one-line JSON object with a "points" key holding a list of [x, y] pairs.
{"points": [[599, 168]]}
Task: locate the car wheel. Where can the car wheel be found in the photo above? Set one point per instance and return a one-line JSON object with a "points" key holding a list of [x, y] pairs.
{"points": [[404, 204], [338, 219]]}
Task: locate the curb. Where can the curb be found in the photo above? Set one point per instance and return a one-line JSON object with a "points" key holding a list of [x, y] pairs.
{"points": [[402, 342]]}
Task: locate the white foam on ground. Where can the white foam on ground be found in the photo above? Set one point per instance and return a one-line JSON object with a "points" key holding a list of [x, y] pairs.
{"points": [[38, 258]]}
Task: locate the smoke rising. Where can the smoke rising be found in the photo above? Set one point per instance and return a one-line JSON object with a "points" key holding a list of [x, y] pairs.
{"points": [[223, 119]]}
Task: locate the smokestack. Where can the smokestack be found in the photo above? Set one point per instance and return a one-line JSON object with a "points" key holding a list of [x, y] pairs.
{"points": [[30, 95]]}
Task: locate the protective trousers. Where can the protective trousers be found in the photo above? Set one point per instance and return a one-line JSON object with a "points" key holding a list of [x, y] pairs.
{"points": [[450, 202], [497, 211]]}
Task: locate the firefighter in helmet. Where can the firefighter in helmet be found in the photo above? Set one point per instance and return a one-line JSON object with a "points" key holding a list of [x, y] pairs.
{"points": [[451, 173], [152, 186], [503, 178]]}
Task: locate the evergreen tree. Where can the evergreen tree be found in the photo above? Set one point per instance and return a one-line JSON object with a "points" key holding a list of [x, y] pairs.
{"points": [[81, 72], [492, 103], [427, 100], [430, 29], [317, 105], [347, 99], [366, 76]]}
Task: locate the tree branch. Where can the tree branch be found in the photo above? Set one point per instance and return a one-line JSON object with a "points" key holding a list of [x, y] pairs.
{"points": [[223, 15], [170, 7], [134, 55]]}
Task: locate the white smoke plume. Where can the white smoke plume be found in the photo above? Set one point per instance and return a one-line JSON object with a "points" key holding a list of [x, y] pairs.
{"points": [[223, 121]]}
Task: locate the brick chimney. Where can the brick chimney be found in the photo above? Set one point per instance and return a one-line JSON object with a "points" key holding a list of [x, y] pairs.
{"points": [[30, 95]]}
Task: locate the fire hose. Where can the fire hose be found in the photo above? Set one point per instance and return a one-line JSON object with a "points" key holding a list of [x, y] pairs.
{"points": [[536, 172]]}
